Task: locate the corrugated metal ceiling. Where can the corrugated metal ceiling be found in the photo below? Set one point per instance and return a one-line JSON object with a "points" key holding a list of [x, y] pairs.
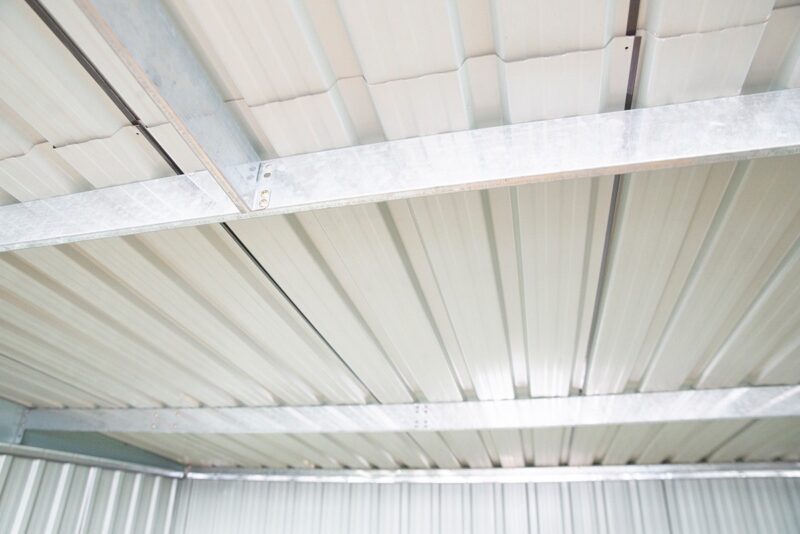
{"points": [[718, 441], [484, 295]]}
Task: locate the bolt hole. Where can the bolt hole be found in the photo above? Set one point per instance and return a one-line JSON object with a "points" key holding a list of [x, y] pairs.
{"points": [[626, 48]]}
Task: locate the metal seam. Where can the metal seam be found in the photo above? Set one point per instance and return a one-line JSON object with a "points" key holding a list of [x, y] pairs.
{"points": [[91, 69], [294, 306], [613, 215], [611, 223]]}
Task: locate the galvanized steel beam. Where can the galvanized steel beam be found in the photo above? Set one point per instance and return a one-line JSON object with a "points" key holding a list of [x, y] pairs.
{"points": [[690, 405], [145, 37], [725, 129], [589, 473]]}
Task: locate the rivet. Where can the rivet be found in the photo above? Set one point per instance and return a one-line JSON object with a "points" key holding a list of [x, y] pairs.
{"points": [[264, 202]]}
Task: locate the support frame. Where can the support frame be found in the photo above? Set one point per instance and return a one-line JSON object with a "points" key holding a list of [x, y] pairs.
{"points": [[589, 473], [703, 132], [626, 408], [150, 43]]}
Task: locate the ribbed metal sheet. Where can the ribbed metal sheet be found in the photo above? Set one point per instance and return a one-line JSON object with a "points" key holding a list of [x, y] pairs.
{"points": [[484, 295], [477, 295], [729, 506], [104, 313], [691, 442], [310, 76], [59, 133], [702, 263], [38, 496], [403, 267]]}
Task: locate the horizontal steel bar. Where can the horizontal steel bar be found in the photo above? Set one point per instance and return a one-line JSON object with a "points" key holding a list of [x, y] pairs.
{"points": [[725, 129], [690, 405], [113, 211], [592, 473]]}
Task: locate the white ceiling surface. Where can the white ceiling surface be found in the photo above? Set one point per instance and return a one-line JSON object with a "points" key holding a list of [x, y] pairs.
{"points": [[484, 295], [319, 74], [424, 300]]}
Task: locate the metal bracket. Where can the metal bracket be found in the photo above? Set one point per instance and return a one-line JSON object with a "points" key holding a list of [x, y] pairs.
{"points": [[13, 421]]}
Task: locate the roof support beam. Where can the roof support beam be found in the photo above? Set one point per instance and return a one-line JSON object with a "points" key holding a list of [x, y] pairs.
{"points": [[589, 473], [145, 37], [709, 131], [690, 405]]}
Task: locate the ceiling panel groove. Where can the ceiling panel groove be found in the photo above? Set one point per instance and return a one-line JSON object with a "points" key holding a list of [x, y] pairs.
{"points": [[129, 113], [605, 265], [228, 230]]}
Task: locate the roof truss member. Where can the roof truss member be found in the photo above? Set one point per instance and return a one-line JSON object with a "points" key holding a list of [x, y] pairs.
{"points": [[695, 133]]}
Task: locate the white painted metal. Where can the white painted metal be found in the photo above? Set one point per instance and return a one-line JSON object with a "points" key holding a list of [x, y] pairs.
{"points": [[697, 405], [42, 496], [736, 506], [51, 455], [309, 90], [62, 494], [670, 136]]}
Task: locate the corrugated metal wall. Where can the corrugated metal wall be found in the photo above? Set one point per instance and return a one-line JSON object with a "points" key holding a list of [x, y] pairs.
{"points": [[42, 497], [674, 506], [39, 496]]}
